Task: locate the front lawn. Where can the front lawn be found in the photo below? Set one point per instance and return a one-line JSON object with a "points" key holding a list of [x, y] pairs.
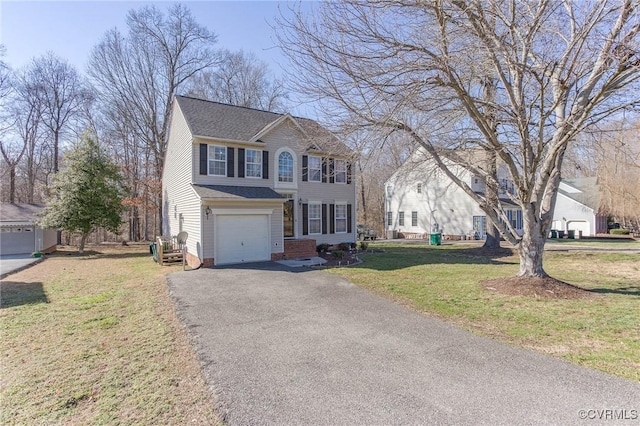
{"points": [[601, 332], [94, 339]]}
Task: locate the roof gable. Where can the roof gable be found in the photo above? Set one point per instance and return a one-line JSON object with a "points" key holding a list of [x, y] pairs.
{"points": [[18, 212]]}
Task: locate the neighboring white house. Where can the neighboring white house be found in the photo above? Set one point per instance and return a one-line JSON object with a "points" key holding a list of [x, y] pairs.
{"points": [[19, 233], [250, 185], [420, 199], [577, 207]]}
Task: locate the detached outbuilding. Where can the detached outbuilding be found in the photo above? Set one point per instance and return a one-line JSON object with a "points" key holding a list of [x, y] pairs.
{"points": [[19, 233]]}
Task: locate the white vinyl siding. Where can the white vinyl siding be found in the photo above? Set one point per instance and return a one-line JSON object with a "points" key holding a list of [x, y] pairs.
{"points": [[340, 171], [315, 169], [217, 160], [253, 163], [315, 218], [341, 218]]}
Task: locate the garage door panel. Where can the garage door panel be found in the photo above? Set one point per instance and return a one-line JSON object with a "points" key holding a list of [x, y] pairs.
{"points": [[17, 242], [242, 238]]}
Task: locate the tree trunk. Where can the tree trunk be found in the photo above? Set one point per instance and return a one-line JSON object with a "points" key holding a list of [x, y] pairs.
{"points": [[531, 248], [491, 193], [12, 183], [83, 239]]}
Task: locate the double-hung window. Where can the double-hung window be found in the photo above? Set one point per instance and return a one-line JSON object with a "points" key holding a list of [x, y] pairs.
{"points": [[253, 163], [315, 169], [400, 218], [340, 171], [389, 218], [414, 218], [217, 160], [315, 218], [341, 218]]}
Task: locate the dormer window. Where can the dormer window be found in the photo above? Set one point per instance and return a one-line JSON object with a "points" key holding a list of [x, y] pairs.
{"points": [[419, 188], [285, 167]]}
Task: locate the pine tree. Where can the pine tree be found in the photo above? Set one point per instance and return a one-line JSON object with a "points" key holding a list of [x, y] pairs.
{"points": [[87, 193]]}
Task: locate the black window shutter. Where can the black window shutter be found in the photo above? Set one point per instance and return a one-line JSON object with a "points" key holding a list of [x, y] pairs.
{"points": [[332, 218], [305, 219], [331, 171], [348, 173], [241, 162], [324, 218], [305, 168], [230, 162], [203, 158], [265, 164], [324, 170], [349, 216]]}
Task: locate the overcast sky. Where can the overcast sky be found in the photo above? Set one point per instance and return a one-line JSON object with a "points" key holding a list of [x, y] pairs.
{"points": [[71, 28]]}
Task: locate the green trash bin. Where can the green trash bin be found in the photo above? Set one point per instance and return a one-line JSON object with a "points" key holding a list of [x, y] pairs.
{"points": [[435, 239], [154, 251], [554, 233], [572, 234]]}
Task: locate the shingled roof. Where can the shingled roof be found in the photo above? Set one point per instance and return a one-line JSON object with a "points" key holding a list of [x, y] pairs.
{"points": [[589, 194], [228, 192], [229, 122], [18, 213]]}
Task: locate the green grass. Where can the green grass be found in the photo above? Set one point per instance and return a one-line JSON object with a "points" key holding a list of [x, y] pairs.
{"points": [[94, 340], [601, 333]]}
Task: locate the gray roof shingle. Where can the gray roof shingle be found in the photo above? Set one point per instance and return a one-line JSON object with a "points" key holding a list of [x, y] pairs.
{"points": [[18, 212], [590, 195], [229, 122], [228, 192]]}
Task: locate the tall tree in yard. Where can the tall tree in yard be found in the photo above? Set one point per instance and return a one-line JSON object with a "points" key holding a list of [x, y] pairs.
{"points": [[419, 68], [137, 75], [87, 193]]}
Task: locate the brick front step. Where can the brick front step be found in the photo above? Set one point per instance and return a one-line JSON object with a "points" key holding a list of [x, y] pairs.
{"points": [[294, 249]]}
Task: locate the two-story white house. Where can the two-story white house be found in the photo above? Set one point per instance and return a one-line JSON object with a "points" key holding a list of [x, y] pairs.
{"points": [[250, 185], [420, 199]]}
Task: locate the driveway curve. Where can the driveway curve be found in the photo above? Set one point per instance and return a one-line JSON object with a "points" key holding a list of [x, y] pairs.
{"points": [[300, 347]]}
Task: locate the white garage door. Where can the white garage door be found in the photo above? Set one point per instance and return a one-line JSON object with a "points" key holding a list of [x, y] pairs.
{"points": [[17, 240], [242, 238]]}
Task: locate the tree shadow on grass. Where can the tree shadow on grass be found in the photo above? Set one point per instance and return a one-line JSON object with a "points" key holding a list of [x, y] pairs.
{"points": [[406, 256], [625, 291], [14, 293]]}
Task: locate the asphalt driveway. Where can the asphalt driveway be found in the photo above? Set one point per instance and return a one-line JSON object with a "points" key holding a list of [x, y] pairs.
{"points": [[285, 346]]}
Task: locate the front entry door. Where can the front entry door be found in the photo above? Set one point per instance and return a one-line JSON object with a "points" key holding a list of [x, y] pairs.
{"points": [[288, 219]]}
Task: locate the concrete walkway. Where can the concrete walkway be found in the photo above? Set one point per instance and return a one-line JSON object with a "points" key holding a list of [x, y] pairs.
{"points": [[299, 347]]}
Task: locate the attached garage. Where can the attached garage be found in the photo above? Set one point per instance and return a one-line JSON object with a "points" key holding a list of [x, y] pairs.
{"points": [[242, 238]]}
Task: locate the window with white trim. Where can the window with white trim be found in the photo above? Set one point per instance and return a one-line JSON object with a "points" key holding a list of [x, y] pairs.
{"points": [[419, 188], [314, 165], [414, 218], [315, 218], [253, 163], [400, 218], [285, 167], [340, 170], [217, 160], [341, 218], [389, 218]]}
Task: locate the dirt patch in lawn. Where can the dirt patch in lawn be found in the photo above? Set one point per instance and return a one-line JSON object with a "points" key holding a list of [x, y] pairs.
{"points": [[547, 288]]}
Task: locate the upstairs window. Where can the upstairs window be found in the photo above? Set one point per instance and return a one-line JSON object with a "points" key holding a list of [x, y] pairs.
{"points": [[340, 171], [285, 167], [419, 188], [253, 163], [315, 169], [217, 160]]}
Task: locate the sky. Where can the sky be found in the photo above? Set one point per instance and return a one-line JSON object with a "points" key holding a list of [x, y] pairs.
{"points": [[71, 28]]}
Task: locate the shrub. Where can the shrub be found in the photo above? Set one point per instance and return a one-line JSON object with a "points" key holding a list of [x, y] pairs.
{"points": [[364, 245], [619, 231], [353, 246], [344, 246], [339, 254], [322, 248]]}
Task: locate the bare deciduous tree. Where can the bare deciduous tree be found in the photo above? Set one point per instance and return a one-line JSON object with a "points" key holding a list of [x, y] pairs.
{"points": [[138, 74], [240, 79], [417, 68]]}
